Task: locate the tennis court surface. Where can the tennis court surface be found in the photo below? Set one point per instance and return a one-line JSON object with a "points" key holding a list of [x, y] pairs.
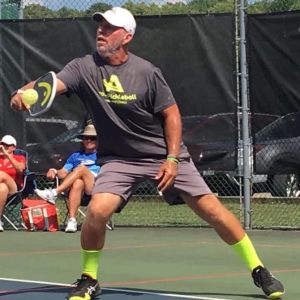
{"points": [[146, 263], [17, 290]]}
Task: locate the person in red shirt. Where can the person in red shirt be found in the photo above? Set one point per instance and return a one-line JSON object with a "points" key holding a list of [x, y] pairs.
{"points": [[11, 171]]}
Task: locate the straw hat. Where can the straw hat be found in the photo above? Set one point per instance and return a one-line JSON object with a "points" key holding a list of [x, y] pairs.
{"points": [[89, 130]]}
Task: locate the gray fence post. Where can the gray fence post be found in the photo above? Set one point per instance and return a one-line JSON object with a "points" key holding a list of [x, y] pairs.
{"points": [[247, 168]]}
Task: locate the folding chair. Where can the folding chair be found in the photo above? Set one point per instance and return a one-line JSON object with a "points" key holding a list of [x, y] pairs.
{"points": [[13, 204]]}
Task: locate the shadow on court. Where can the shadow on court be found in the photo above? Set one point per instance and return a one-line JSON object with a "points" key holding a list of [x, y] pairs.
{"points": [[17, 290]]}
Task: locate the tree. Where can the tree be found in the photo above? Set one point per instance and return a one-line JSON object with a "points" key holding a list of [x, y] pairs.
{"points": [[142, 8], [273, 6], [167, 7], [36, 11], [102, 7], [65, 12], [281, 5], [202, 6], [175, 8], [224, 6]]}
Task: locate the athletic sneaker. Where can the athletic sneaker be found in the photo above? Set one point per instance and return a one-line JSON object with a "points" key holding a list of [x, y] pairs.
{"points": [[86, 288], [71, 225], [49, 195], [271, 286], [1, 226]]}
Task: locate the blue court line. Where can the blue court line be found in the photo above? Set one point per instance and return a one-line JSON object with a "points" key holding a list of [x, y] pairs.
{"points": [[51, 286]]}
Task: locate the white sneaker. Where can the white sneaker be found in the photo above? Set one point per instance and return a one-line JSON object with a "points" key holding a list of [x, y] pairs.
{"points": [[49, 195], [1, 226], [71, 225]]}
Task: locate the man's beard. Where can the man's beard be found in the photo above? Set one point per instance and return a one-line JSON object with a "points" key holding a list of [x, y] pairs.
{"points": [[108, 51]]}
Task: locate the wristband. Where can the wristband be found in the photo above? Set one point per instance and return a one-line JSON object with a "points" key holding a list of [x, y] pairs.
{"points": [[54, 170], [173, 158], [15, 93]]}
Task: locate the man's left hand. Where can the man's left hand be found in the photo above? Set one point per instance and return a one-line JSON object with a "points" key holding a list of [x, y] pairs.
{"points": [[166, 175]]}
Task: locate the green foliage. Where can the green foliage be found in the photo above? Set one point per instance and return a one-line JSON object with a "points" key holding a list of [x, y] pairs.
{"points": [[34, 11], [141, 9], [10, 2], [65, 12], [204, 5], [175, 9], [224, 6], [258, 7], [9, 9], [281, 5], [273, 6], [97, 7]]}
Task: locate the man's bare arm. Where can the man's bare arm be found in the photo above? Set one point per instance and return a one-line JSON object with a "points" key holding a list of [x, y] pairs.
{"points": [[172, 128]]}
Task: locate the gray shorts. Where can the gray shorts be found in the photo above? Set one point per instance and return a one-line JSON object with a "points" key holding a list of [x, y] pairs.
{"points": [[121, 176]]}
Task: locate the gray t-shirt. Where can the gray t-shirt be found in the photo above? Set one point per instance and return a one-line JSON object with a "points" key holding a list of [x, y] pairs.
{"points": [[124, 102]]}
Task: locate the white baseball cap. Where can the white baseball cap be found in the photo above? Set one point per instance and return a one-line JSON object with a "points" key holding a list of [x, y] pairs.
{"points": [[119, 17], [9, 140]]}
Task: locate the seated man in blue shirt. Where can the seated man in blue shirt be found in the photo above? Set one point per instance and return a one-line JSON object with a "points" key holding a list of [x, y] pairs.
{"points": [[79, 174]]}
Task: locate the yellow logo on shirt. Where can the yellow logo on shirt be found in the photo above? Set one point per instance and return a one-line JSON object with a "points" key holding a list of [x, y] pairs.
{"points": [[113, 84], [114, 92]]}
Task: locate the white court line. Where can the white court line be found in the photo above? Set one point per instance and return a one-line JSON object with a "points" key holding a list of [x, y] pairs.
{"points": [[33, 281], [121, 290], [166, 295]]}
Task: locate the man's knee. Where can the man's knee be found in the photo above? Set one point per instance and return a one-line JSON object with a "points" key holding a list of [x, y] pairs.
{"points": [[81, 169], [78, 184], [208, 207], [98, 214], [102, 209]]}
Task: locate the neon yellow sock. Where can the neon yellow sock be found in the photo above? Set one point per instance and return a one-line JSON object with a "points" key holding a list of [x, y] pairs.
{"points": [[90, 262], [246, 251]]}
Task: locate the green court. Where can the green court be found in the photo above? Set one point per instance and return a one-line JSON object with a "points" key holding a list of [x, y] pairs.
{"points": [[147, 262]]}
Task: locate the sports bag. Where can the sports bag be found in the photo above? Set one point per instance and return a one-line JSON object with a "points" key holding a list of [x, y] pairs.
{"points": [[39, 215]]}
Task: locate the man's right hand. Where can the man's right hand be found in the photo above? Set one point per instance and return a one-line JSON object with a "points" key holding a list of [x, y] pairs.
{"points": [[3, 151], [16, 103], [51, 174]]}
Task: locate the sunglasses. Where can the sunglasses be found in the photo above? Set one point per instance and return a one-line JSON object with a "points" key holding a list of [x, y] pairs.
{"points": [[6, 145], [92, 138]]}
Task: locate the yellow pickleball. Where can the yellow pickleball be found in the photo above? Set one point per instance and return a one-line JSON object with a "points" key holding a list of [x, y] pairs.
{"points": [[30, 96]]}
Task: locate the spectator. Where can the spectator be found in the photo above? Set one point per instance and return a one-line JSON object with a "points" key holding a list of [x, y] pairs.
{"points": [[12, 167], [79, 174]]}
